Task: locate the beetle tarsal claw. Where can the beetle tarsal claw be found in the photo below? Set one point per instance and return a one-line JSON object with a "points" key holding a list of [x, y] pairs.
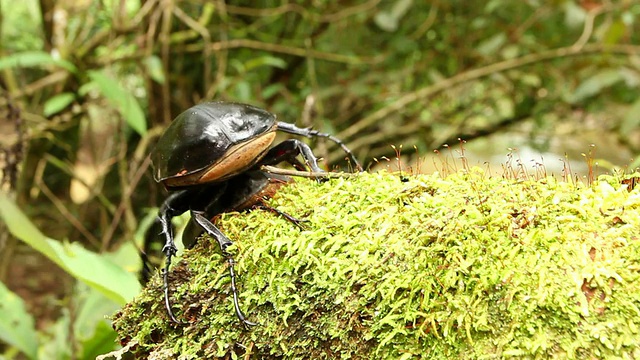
{"points": [[167, 302], [236, 303], [170, 250]]}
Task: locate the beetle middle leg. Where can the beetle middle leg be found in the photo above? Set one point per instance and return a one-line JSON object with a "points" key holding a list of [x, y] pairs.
{"points": [[224, 243]]}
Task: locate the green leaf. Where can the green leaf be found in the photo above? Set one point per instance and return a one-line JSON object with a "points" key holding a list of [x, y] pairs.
{"points": [[270, 61], [389, 20], [614, 32], [631, 119], [492, 44], [91, 328], [57, 103], [85, 88], [385, 21], [122, 100], [21, 227], [98, 272], [102, 342], [595, 84], [574, 15], [91, 307], [56, 343], [154, 68], [16, 324], [271, 90], [91, 268], [243, 91], [34, 59]]}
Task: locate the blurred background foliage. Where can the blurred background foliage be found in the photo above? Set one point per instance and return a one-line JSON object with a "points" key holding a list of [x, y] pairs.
{"points": [[87, 86]]}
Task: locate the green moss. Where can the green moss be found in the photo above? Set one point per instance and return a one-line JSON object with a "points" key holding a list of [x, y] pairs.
{"points": [[462, 267]]}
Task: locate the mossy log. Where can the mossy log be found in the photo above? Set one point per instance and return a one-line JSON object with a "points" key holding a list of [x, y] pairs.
{"points": [[388, 267]]}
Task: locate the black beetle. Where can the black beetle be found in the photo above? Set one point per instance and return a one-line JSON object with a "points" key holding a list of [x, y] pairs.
{"points": [[209, 158]]}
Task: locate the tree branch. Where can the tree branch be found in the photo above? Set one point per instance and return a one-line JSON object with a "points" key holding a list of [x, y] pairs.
{"points": [[478, 73]]}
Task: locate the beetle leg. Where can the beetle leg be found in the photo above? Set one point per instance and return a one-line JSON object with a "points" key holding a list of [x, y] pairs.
{"points": [[292, 129], [295, 221], [173, 206], [224, 243], [176, 204], [287, 151], [169, 249]]}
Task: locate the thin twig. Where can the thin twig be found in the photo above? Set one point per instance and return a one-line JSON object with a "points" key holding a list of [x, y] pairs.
{"points": [[307, 174], [106, 239], [279, 10], [206, 38], [165, 51], [478, 73], [529, 22], [284, 49], [222, 55], [48, 80], [428, 22], [350, 11], [588, 27], [67, 214]]}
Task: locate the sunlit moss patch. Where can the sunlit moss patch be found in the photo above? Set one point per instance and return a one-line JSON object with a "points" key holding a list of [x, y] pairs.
{"points": [[462, 267]]}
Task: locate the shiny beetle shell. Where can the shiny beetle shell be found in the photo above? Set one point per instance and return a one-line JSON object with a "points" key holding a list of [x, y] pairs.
{"points": [[211, 142]]}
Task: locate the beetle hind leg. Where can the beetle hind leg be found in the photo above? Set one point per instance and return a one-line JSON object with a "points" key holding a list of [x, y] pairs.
{"points": [[224, 243]]}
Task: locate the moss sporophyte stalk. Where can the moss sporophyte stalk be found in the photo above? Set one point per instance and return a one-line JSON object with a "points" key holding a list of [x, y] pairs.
{"points": [[465, 266]]}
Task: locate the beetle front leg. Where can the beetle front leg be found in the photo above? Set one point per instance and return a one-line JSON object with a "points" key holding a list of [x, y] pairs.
{"points": [[287, 151], [173, 206], [224, 243], [169, 249], [307, 132]]}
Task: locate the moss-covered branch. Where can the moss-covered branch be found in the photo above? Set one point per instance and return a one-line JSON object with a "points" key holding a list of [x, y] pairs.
{"points": [[465, 266]]}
